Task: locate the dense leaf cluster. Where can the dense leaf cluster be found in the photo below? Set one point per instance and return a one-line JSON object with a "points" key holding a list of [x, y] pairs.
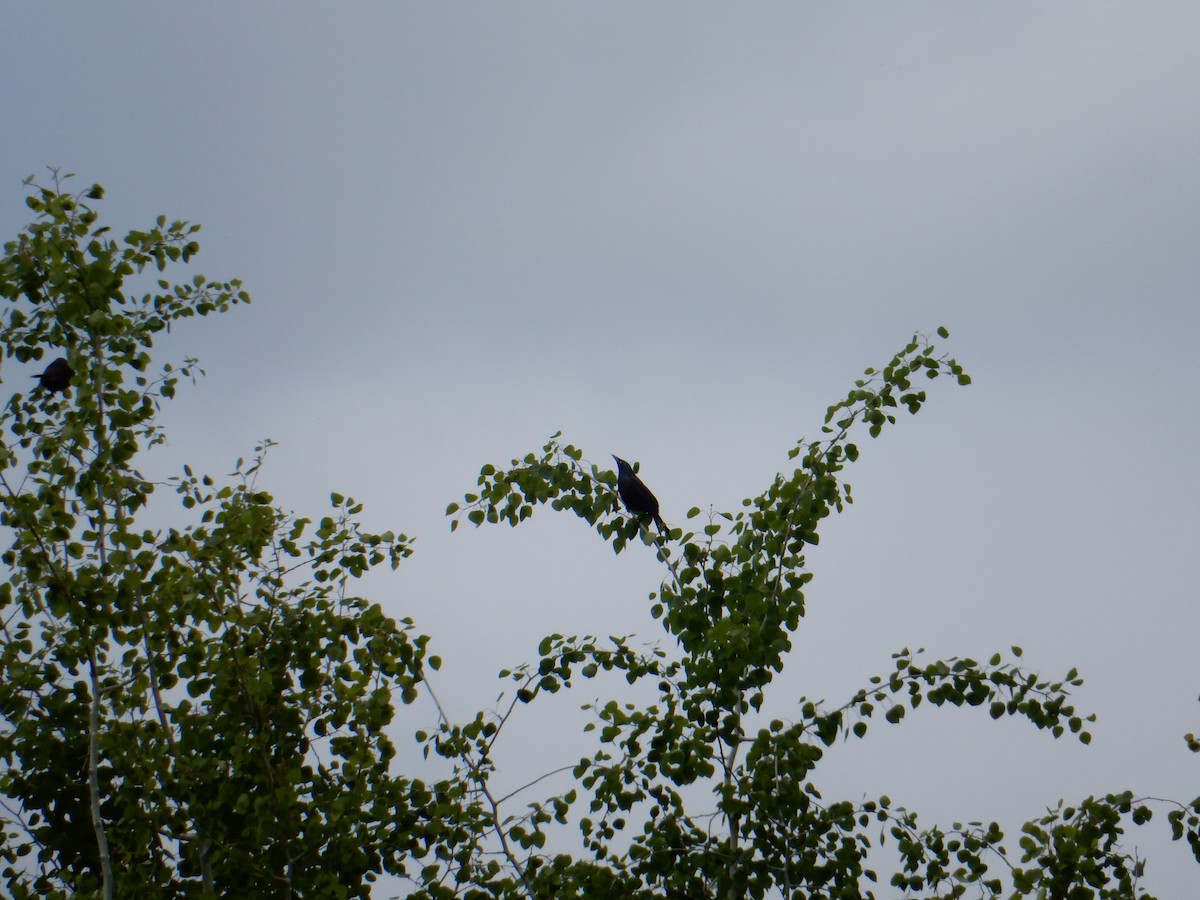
{"points": [[185, 710]]}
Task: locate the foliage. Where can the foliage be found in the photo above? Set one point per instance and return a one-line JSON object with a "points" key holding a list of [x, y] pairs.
{"points": [[203, 709], [186, 708], [732, 596]]}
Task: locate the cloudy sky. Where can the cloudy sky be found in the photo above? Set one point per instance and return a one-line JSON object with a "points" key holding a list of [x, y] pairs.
{"points": [[677, 232]]}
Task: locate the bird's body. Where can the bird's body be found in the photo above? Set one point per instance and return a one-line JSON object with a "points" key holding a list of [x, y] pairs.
{"points": [[57, 376], [636, 496]]}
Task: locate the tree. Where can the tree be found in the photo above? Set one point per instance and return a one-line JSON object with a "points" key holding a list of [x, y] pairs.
{"points": [[204, 710], [191, 709], [732, 595]]}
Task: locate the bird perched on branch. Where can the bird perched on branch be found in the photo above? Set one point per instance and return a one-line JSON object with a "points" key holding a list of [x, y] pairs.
{"points": [[636, 496], [57, 376]]}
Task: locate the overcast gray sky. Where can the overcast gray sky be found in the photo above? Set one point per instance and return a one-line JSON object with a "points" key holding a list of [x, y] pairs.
{"points": [[677, 232]]}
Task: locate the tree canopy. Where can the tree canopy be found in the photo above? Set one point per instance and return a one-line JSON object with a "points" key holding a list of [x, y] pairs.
{"points": [[208, 709]]}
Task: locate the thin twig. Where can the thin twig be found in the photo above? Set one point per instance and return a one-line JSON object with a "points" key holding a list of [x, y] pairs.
{"points": [[476, 773], [526, 787]]}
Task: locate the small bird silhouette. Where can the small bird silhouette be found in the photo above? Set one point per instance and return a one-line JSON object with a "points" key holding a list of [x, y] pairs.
{"points": [[57, 376], [636, 496]]}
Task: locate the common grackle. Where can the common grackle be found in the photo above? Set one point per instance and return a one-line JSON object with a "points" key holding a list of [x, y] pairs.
{"points": [[636, 496], [57, 376]]}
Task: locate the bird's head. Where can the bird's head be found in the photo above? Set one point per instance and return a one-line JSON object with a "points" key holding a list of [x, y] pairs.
{"points": [[623, 468]]}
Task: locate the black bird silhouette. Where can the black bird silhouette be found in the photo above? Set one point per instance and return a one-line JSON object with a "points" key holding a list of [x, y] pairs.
{"points": [[57, 376], [636, 496]]}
